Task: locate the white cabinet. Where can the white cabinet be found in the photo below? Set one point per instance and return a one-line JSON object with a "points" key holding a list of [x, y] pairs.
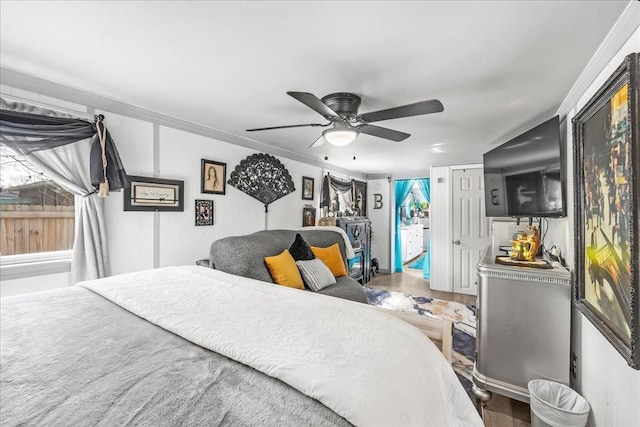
{"points": [[411, 241], [403, 244]]}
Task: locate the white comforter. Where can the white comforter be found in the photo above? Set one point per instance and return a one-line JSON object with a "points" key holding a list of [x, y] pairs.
{"points": [[365, 365]]}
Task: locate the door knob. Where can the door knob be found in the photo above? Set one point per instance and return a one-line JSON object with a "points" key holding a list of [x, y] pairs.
{"points": [[457, 242]]}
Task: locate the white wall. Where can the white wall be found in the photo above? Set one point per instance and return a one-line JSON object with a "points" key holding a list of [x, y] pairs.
{"points": [[440, 213], [604, 378], [134, 236], [33, 284], [144, 240], [380, 222]]}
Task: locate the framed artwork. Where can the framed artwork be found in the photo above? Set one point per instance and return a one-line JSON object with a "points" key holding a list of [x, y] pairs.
{"points": [[606, 165], [204, 212], [307, 188], [213, 176], [308, 216], [360, 198], [154, 194]]}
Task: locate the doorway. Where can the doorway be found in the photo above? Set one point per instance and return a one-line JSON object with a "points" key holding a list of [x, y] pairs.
{"points": [[412, 228]]}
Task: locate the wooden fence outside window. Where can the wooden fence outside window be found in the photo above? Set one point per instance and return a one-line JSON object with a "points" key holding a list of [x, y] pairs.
{"points": [[29, 229]]}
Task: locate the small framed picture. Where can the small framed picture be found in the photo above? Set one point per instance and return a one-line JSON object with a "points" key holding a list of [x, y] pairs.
{"points": [[213, 177], [154, 194], [204, 212], [308, 216], [307, 188]]}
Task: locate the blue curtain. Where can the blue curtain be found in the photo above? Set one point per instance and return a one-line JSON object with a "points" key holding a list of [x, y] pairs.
{"points": [[424, 185], [403, 188]]}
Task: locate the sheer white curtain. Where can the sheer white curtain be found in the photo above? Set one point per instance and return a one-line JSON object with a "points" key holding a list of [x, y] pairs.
{"points": [[68, 166]]}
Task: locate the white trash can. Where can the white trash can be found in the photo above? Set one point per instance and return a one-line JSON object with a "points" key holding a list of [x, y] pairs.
{"points": [[556, 405]]}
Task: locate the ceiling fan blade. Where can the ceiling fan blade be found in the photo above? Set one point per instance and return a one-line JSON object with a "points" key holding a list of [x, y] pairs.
{"points": [[313, 102], [315, 125], [424, 107], [381, 132], [318, 142]]}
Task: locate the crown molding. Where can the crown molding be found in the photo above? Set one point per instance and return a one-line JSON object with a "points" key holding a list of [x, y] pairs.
{"points": [[19, 80]]}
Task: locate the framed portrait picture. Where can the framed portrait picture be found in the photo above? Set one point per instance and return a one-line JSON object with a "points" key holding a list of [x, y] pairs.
{"points": [[307, 188], [606, 165], [204, 212], [308, 216], [360, 198], [154, 194], [213, 177]]}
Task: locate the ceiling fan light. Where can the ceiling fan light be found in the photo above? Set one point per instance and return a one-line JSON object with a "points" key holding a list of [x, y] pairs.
{"points": [[340, 137]]}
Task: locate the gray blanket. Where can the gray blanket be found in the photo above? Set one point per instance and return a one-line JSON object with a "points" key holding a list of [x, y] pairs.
{"points": [[71, 357]]}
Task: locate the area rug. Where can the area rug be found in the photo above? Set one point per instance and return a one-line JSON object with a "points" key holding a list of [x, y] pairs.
{"points": [[418, 263], [464, 325]]}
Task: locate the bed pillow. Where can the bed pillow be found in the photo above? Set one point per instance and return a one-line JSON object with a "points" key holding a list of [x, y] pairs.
{"points": [[316, 274], [284, 270], [332, 257], [300, 250]]}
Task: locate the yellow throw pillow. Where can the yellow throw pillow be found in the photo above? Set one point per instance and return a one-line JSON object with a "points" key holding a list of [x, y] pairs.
{"points": [[284, 270], [332, 257]]}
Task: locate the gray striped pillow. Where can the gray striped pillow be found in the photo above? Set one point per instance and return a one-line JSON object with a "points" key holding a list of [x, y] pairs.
{"points": [[316, 274]]}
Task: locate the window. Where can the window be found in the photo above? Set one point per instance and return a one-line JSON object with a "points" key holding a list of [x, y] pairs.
{"points": [[36, 214]]}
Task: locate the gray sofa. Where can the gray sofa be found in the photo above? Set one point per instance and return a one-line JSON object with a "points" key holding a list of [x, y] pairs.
{"points": [[244, 256]]}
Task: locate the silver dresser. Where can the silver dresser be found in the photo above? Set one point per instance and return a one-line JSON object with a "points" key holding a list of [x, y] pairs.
{"points": [[523, 328]]}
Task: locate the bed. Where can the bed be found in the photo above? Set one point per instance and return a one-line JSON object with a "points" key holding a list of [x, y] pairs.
{"points": [[191, 345]]}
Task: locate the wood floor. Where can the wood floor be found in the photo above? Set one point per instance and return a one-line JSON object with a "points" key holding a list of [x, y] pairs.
{"points": [[500, 411]]}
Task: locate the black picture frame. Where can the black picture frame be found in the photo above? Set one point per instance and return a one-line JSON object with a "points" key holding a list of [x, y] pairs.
{"points": [[307, 188], [213, 177], [606, 173], [308, 216], [204, 212], [154, 194], [360, 198]]}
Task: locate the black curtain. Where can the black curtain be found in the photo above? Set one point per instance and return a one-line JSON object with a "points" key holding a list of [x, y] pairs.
{"points": [[26, 132]]}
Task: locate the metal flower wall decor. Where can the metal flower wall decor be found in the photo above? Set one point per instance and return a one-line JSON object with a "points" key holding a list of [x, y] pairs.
{"points": [[262, 177]]}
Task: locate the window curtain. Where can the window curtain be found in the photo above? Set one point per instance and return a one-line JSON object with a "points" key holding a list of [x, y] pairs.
{"points": [[403, 188], [59, 145], [424, 184]]}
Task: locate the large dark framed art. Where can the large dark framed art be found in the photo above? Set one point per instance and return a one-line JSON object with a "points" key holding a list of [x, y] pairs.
{"points": [[606, 165], [154, 194]]}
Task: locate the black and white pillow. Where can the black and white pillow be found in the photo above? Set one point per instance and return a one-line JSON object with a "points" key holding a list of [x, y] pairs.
{"points": [[316, 274]]}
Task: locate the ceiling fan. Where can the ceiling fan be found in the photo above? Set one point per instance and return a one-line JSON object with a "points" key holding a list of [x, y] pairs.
{"points": [[341, 110]]}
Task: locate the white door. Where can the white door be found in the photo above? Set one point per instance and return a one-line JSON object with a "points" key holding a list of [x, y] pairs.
{"points": [[470, 228]]}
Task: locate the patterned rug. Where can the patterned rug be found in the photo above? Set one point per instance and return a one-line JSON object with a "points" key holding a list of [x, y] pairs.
{"points": [[418, 263], [464, 325]]}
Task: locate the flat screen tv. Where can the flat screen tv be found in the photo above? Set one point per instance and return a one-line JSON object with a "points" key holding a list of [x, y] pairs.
{"points": [[525, 176]]}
